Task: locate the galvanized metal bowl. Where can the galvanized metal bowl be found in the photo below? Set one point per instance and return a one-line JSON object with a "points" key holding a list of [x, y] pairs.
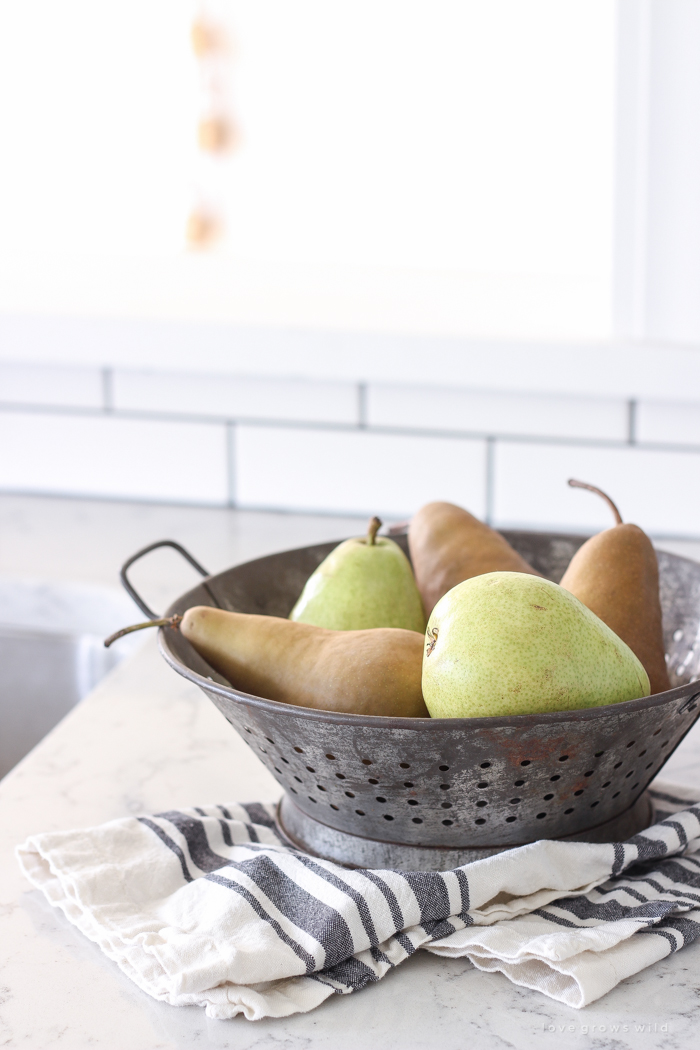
{"points": [[428, 794]]}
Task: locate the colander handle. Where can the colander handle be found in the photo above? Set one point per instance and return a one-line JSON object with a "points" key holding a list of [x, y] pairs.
{"points": [[133, 593]]}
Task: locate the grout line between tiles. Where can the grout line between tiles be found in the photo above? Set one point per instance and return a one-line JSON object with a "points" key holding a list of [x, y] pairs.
{"points": [[107, 375], [231, 463], [489, 479], [632, 422]]}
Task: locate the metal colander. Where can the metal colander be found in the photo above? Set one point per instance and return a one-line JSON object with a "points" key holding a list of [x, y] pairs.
{"points": [[428, 794]]}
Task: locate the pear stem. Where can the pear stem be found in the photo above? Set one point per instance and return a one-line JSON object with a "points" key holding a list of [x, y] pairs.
{"points": [[592, 488], [374, 527], [166, 621]]}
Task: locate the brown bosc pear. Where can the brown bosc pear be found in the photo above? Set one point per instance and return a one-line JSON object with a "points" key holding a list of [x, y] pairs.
{"points": [[369, 672], [616, 575], [449, 545]]}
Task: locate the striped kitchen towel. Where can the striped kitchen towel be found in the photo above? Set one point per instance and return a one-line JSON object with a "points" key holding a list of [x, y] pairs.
{"points": [[209, 907]]}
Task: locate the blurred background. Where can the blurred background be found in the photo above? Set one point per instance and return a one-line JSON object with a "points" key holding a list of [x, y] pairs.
{"points": [[268, 266]]}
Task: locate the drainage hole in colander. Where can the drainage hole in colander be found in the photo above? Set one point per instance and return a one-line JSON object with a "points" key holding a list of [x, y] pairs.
{"points": [[607, 784], [485, 765], [448, 823], [525, 762], [649, 765], [404, 765], [360, 812], [413, 801], [372, 780], [293, 790], [485, 783], [570, 810], [628, 775], [408, 783], [664, 743], [598, 754], [417, 820], [563, 758], [634, 786], [311, 769], [311, 799], [557, 776], [263, 749], [444, 787], [320, 787], [446, 805], [630, 743], [334, 807], [642, 752], [332, 757], [589, 773], [247, 730], [616, 794], [349, 794], [516, 783], [482, 803], [443, 769], [285, 760], [299, 750], [366, 761], [514, 801], [509, 820], [380, 798], [340, 776], [480, 820], [298, 779], [387, 816], [540, 815], [655, 733], [617, 765], [269, 740], [594, 804], [546, 798], [579, 792], [278, 770]]}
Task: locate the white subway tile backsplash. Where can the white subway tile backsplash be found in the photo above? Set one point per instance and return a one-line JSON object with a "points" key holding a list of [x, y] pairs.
{"points": [[54, 385], [232, 396], [356, 472], [657, 490], [104, 456], [668, 423], [493, 412]]}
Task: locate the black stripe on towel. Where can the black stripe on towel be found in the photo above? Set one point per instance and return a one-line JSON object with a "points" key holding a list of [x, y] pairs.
{"points": [[352, 973], [686, 931], [316, 918], [194, 833], [464, 891], [431, 893], [613, 911], [255, 904], [340, 884], [164, 837], [619, 861], [390, 897], [252, 833]]}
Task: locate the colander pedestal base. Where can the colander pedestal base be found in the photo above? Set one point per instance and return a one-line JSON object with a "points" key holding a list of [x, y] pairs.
{"points": [[353, 851]]}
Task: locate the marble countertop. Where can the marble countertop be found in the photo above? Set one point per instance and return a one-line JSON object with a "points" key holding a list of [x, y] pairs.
{"points": [[147, 740]]}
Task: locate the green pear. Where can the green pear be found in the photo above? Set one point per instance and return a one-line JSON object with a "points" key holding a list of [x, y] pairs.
{"points": [[365, 582], [507, 643]]}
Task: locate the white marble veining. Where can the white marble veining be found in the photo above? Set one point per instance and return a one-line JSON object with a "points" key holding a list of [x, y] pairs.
{"points": [[147, 740]]}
